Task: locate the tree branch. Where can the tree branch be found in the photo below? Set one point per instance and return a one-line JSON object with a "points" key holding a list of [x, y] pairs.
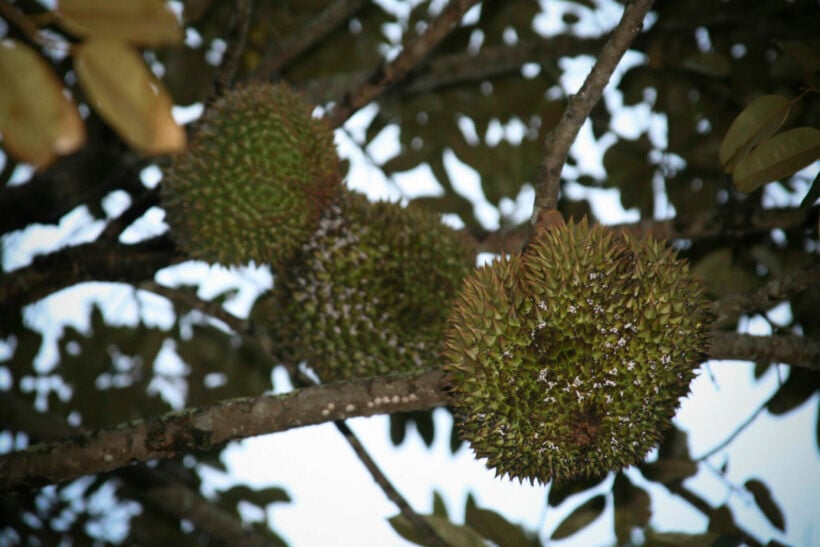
{"points": [[308, 36], [212, 426], [560, 139], [777, 348], [87, 262], [729, 307], [390, 73], [150, 485], [235, 39]]}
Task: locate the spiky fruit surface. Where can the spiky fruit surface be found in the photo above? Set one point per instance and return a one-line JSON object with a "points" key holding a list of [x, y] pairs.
{"points": [[370, 292], [570, 360], [254, 180]]}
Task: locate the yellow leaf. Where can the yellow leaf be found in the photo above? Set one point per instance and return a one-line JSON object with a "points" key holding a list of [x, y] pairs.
{"points": [[37, 121], [758, 121], [779, 157], [128, 95], [147, 23]]}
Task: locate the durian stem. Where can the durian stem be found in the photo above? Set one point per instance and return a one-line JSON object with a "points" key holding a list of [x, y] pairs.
{"points": [[579, 106]]}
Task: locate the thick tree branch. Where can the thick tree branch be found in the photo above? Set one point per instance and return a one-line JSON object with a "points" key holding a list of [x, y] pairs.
{"points": [[212, 426], [87, 262], [149, 485], [729, 307], [209, 427], [777, 348], [439, 71], [560, 139], [309, 35], [390, 73]]}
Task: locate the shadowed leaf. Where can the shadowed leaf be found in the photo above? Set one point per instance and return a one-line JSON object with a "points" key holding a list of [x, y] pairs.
{"points": [[633, 508], [763, 499], [453, 534], [581, 517], [496, 528]]}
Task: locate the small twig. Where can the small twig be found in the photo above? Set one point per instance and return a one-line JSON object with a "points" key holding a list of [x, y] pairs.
{"points": [[738, 430], [424, 529], [116, 226], [730, 307], [240, 326], [579, 106], [776, 348], [236, 38], [308, 36], [390, 73], [28, 28]]}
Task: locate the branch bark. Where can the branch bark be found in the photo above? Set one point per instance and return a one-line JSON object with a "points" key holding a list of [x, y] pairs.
{"points": [[97, 261], [390, 73], [777, 348], [210, 427], [308, 36], [560, 139], [149, 485]]}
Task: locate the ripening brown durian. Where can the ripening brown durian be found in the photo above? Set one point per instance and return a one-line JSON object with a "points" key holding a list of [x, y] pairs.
{"points": [[569, 360], [257, 175], [369, 293]]}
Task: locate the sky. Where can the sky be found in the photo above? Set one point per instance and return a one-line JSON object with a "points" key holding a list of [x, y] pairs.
{"points": [[334, 499]]}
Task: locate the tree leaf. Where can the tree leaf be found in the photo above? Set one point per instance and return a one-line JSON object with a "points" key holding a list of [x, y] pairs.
{"points": [[806, 56], [148, 23], [633, 508], [583, 515], [778, 157], [453, 534], [763, 499], [128, 96], [37, 121], [562, 490], [669, 471], [756, 123], [439, 507], [496, 528]]}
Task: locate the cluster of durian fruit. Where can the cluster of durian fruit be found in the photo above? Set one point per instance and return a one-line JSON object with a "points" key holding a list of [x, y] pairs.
{"points": [[565, 361]]}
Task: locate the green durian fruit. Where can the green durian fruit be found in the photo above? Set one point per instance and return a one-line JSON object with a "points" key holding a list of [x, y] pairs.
{"points": [[569, 360], [257, 175], [369, 293]]}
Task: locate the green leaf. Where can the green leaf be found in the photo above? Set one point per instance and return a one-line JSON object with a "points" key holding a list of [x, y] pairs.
{"points": [[633, 508], [763, 499], [756, 123], [562, 490], [454, 534], [778, 157], [798, 388], [669, 471], [709, 64], [583, 516], [496, 528], [805, 55]]}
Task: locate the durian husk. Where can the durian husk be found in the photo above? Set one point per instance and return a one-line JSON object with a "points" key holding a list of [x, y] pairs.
{"points": [[569, 361], [369, 293], [252, 184]]}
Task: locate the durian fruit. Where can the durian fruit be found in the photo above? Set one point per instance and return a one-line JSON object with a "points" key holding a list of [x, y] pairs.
{"points": [[369, 293], [257, 175], [569, 360]]}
